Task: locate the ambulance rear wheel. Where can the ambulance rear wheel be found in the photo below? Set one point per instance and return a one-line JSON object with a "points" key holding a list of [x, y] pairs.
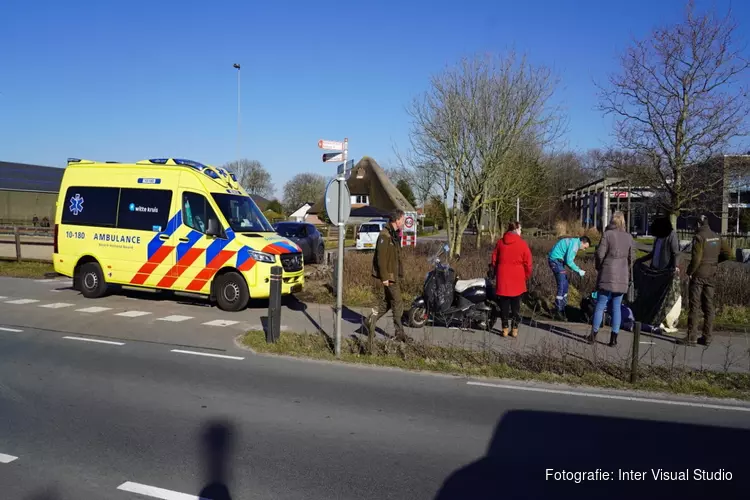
{"points": [[91, 281], [231, 292]]}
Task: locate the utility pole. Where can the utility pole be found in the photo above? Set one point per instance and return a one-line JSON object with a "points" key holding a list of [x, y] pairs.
{"points": [[237, 156]]}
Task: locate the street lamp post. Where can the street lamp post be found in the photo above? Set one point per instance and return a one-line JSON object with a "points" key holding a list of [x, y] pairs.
{"points": [[237, 66]]}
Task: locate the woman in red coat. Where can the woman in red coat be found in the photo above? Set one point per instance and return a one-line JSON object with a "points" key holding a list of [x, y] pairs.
{"points": [[512, 263]]}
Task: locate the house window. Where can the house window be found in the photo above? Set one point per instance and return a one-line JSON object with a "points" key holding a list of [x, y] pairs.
{"points": [[360, 199]]}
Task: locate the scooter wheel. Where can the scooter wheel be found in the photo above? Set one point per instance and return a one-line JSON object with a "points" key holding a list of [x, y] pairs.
{"points": [[417, 317]]}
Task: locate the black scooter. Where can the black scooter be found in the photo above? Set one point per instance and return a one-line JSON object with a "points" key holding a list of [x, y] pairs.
{"points": [[467, 303]]}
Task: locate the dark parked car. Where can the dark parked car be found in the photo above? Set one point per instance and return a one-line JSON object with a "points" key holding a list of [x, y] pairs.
{"points": [[307, 237]]}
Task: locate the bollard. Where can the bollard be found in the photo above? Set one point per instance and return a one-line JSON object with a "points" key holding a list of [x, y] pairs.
{"points": [[17, 234], [636, 346], [274, 307]]}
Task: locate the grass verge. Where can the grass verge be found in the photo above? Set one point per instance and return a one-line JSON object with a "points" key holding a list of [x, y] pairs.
{"points": [[538, 366], [25, 269]]}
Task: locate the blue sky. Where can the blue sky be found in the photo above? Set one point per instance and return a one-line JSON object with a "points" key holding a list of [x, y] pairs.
{"points": [[131, 80]]}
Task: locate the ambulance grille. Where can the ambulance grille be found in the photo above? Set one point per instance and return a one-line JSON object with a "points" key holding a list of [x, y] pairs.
{"points": [[291, 262]]}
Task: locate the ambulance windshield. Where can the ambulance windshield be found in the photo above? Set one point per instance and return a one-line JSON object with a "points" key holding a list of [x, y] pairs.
{"points": [[243, 214]]}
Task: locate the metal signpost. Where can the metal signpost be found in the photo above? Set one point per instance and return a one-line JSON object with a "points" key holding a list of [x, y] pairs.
{"points": [[338, 215]]}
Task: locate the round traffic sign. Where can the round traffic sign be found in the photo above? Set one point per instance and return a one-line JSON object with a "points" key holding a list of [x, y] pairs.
{"points": [[333, 200], [409, 222]]}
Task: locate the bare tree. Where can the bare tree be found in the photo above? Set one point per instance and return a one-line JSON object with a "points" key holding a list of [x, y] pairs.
{"points": [[424, 182], [396, 174], [471, 127], [303, 188], [252, 176], [678, 104]]}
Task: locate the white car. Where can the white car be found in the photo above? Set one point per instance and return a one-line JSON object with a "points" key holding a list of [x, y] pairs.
{"points": [[367, 235]]}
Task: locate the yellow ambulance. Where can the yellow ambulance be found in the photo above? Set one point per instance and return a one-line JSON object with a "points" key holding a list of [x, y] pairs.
{"points": [[170, 224]]}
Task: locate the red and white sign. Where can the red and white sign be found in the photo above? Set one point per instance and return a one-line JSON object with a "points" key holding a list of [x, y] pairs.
{"points": [[408, 240], [410, 225], [620, 194], [332, 145]]}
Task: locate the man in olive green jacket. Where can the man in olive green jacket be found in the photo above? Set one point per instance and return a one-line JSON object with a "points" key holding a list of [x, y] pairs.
{"points": [[707, 252], [388, 269]]}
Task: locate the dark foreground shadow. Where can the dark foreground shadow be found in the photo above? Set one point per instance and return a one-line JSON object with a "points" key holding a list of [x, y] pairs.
{"points": [[216, 440], [531, 451], [49, 493]]}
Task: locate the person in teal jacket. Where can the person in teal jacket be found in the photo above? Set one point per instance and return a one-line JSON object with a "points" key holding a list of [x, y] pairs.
{"points": [[563, 254]]}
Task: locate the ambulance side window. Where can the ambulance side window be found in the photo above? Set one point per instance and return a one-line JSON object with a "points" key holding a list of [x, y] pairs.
{"points": [[196, 212], [91, 206], [144, 209]]}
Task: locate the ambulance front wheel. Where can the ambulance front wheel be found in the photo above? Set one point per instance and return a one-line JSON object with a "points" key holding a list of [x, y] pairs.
{"points": [[231, 292], [91, 281]]}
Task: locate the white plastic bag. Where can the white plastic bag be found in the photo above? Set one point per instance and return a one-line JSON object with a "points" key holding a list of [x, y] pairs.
{"points": [[673, 316]]}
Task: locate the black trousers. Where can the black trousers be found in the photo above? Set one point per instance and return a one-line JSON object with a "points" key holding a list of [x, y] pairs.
{"points": [[510, 310]]}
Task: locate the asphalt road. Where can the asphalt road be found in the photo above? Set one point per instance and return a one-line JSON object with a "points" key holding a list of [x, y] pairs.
{"points": [[100, 406]]}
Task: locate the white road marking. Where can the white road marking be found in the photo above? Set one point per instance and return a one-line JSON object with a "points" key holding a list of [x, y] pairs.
{"points": [[154, 492], [3, 298], [175, 318], [56, 305], [613, 396], [133, 314], [207, 354], [94, 309], [83, 339], [6, 459], [14, 330], [649, 343], [221, 322], [46, 281], [21, 302]]}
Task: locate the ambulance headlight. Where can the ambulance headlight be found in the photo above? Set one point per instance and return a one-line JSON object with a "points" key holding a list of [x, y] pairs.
{"points": [[263, 257]]}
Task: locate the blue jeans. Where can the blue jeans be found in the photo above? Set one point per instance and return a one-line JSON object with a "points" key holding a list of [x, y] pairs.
{"points": [[615, 310], [561, 277]]}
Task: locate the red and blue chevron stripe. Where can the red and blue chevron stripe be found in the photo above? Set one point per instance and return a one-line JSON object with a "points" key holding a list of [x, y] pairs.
{"points": [[157, 251], [216, 257], [281, 247], [186, 255]]}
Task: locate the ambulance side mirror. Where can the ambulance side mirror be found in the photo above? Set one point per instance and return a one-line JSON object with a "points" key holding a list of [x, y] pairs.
{"points": [[214, 229]]}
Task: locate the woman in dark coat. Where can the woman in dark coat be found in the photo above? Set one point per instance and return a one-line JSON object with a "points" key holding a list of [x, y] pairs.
{"points": [[614, 259], [665, 256]]}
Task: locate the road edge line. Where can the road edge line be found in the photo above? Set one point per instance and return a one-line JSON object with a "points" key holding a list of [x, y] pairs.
{"points": [[196, 353], [636, 399], [97, 341]]}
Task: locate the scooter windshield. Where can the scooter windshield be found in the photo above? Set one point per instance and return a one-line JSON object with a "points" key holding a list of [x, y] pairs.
{"points": [[436, 258]]}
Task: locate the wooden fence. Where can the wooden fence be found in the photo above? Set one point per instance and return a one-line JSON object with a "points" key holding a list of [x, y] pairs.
{"points": [[26, 243]]}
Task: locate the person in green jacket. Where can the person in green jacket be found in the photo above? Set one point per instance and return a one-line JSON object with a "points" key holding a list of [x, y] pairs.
{"points": [[707, 252], [388, 269], [564, 254]]}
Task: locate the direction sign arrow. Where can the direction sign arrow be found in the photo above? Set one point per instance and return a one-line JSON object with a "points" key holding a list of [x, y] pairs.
{"points": [[333, 145], [332, 157]]}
